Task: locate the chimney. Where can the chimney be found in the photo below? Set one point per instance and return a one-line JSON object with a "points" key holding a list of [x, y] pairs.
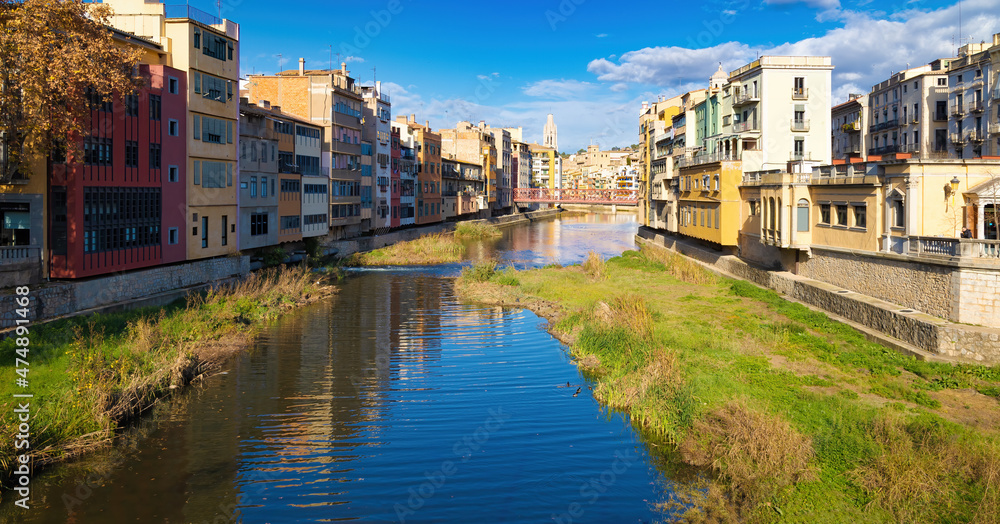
{"points": [[343, 68], [302, 66], [276, 109], [244, 101], [412, 120], [427, 124]]}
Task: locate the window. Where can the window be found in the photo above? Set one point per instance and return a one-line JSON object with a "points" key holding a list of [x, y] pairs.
{"points": [[799, 87], [215, 47], [258, 224], [172, 174], [172, 236], [120, 218], [898, 216], [197, 38], [824, 213], [97, 151], [213, 130], [290, 222], [155, 104], [253, 187], [860, 216], [132, 105], [173, 128], [154, 156], [942, 81], [802, 216], [841, 214], [799, 149], [212, 88], [173, 87], [225, 229], [263, 187], [131, 153], [204, 232]]}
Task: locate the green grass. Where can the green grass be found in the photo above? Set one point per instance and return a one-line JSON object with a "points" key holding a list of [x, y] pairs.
{"points": [[722, 371], [440, 248], [91, 374]]}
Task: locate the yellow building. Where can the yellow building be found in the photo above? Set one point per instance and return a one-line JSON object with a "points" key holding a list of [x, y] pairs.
{"points": [[709, 202]]}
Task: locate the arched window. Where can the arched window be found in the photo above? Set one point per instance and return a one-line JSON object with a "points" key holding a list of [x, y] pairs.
{"points": [[771, 214], [802, 218]]}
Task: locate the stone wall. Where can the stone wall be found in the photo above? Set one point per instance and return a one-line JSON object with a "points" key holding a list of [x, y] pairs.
{"points": [[886, 277], [55, 299], [976, 296], [917, 329]]}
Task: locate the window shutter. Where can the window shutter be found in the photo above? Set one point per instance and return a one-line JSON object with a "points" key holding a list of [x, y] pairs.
{"points": [[229, 132], [197, 127], [197, 82], [229, 174], [197, 172]]}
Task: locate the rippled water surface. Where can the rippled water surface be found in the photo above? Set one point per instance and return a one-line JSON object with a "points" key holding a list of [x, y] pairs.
{"points": [[390, 402]]}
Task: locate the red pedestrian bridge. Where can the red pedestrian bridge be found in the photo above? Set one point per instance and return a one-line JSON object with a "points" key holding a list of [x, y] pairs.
{"points": [[622, 197]]}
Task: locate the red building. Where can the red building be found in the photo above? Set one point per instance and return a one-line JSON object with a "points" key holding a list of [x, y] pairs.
{"points": [[122, 205], [394, 180]]}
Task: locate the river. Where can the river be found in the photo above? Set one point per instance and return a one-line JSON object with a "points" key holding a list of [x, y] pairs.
{"points": [[391, 402]]}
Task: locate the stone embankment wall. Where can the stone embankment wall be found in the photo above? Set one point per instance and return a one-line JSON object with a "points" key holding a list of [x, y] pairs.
{"points": [[343, 248], [915, 328], [56, 299]]}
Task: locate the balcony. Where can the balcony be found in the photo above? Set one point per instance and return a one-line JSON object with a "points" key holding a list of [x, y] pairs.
{"points": [[910, 148], [957, 138], [957, 110], [16, 254], [884, 150], [995, 128], [705, 158], [745, 97], [976, 136], [940, 117], [746, 127], [185, 11], [976, 106], [851, 127], [800, 125], [800, 94], [799, 156], [888, 124]]}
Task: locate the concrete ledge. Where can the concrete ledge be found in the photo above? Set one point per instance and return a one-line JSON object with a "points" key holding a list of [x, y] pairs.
{"points": [[907, 330]]}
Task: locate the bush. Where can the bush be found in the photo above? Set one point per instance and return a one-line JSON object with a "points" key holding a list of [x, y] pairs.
{"points": [[476, 230], [273, 256], [594, 266]]}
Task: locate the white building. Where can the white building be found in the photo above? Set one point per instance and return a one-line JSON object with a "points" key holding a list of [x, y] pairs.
{"points": [[970, 104], [908, 113], [378, 114]]}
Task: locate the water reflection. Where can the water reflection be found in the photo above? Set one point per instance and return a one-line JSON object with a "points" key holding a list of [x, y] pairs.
{"points": [[390, 402]]}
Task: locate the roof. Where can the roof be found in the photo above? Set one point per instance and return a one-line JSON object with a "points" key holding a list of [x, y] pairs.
{"points": [[254, 109]]}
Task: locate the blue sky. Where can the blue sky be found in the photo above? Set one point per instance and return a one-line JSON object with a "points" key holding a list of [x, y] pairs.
{"points": [[590, 63]]}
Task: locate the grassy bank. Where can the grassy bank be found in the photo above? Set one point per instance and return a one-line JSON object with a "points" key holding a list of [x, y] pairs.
{"points": [[775, 412], [91, 374], [438, 248]]}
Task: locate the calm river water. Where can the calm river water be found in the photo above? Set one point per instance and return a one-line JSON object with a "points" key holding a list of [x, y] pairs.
{"points": [[390, 402]]}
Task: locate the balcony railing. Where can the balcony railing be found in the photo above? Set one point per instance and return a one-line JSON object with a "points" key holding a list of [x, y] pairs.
{"points": [[745, 127], [888, 124], [909, 148], [15, 254], [995, 128], [746, 97], [957, 110], [186, 11], [955, 247], [800, 125], [976, 106], [705, 158], [884, 150], [940, 117], [976, 136], [800, 94], [957, 138], [798, 156]]}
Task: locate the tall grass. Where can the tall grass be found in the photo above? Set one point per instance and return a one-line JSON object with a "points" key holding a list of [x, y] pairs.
{"points": [[103, 370], [594, 265], [476, 231], [438, 248]]}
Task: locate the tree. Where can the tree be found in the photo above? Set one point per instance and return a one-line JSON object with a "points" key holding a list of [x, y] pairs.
{"points": [[52, 52]]}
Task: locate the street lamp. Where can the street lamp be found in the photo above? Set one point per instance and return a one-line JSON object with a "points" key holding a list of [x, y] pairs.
{"points": [[954, 189]]}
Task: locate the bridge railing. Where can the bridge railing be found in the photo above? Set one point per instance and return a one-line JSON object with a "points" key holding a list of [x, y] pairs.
{"points": [[586, 196]]}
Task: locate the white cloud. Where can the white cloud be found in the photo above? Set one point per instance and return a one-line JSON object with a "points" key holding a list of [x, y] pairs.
{"points": [[356, 59], [865, 49], [602, 35], [619, 87], [558, 89]]}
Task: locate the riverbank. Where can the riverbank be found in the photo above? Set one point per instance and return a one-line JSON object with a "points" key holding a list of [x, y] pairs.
{"points": [[793, 416], [435, 248], [90, 375]]}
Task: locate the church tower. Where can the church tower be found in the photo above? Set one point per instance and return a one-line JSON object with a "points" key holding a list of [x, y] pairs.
{"points": [[550, 135]]}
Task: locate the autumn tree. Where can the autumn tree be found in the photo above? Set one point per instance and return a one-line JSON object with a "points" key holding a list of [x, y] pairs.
{"points": [[52, 52]]}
